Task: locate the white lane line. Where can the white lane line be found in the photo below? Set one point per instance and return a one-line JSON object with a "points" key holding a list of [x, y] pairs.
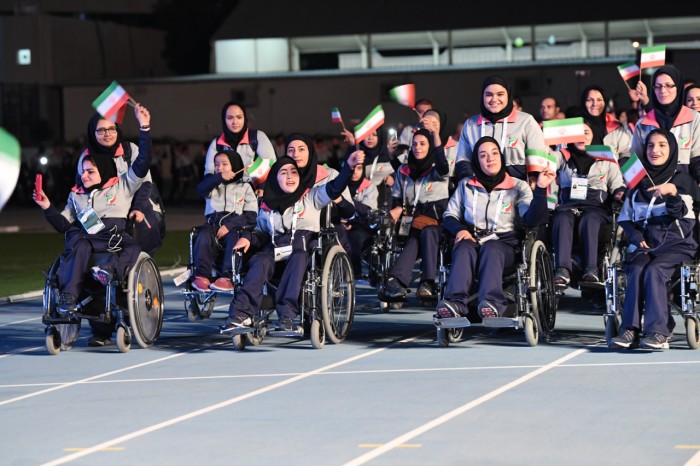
{"points": [[405, 438], [223, 404], [20, 351], [19, 321]]}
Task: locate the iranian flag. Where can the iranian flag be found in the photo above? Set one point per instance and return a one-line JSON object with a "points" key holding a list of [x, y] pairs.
{"points": [[539, 160], [109, 104], [10, 161], [601, 153], [633, 171], [373, 121], [563, 131], [405, 95], [258, 170], [629, 70], [653, 56], [335, 115]]}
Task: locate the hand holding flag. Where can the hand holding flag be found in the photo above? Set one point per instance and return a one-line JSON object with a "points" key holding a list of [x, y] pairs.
{"points": [[259, 170], [111, 103], [633, 171], [540, 160], [653, 57], [628, 71]]}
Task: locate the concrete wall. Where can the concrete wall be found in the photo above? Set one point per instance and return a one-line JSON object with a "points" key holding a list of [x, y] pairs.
{"points": [[190, 110]]}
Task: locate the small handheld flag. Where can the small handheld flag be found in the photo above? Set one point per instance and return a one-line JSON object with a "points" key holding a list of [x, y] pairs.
{"points": [[259, 170], [335, 116], [653, 57], [404, 94], [374, 120], [538, 160], [628, 71], [599, 152], [633, 171], [111, 101], [563, 131]]}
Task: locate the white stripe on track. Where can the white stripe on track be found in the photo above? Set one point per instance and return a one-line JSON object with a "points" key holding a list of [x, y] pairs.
{"points": [[223, 404], [408, 436], [20, 321]]}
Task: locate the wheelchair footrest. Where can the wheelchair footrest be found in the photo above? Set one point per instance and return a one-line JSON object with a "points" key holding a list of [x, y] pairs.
{"points": [[500, 322], [237, 331], [452, 322], [298, 333], [592, 285]]}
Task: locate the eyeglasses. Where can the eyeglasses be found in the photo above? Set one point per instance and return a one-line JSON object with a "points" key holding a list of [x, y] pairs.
{"points": [[668, 87], [103, 131]]}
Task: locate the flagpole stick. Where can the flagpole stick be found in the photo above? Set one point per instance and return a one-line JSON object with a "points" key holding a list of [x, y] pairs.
{"points": [[419, 115]]}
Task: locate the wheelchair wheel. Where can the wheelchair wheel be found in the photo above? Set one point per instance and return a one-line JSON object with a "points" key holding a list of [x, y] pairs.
{"points": [[239, 342], [123, 339], [396, 305], [65, 334], [691, 332], [53, 341], [443, 337], [257, 337], [146, 301], [543, 300], [337, 294], [317, 334]]}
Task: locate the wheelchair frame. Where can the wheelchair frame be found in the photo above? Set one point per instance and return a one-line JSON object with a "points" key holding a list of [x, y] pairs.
{"points": [[136, 302], [534, 297]]}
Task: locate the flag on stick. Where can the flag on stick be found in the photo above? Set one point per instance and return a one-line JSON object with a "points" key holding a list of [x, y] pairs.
{"points": [[404, 94], [10, 161], [539, 160], [373, 121], [601, 153], [628, 70], [633, 171], [258, 170], [653, 56], [552, 196], [109, 104], [335, 115], [563, 131]]}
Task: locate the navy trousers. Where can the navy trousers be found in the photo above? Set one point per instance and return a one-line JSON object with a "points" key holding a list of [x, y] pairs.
{"points": [[425, 242], [646, 291], [491, 258], [589, 224], [207, 251]]}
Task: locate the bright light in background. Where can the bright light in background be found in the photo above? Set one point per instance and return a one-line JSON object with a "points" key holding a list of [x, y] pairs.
{"points": [[635, 44], [24, 57], [43, 160]]}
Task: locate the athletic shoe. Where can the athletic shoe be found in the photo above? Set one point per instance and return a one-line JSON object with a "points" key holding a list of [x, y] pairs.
{"points": [[201, 283], [99, 340], [446, 310], [427, 290], [222, 284], [67, 304], [590, 275], [238, 321], [655, 341], [102, 275], [393, 289], [627, 339], [285, 324], [562, 277], [487, 310]]}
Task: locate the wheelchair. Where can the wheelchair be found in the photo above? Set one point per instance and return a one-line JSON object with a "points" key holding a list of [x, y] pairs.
{"points": [[529, 288], [682, 293], [200, 304], [135, 303], [327, 300]]}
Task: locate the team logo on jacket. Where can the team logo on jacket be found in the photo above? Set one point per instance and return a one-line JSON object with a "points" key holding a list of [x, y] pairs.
{"points": [[299, 209], [428, 187], [239, 199], [684, 142], [506, 206], [111, 198], [600, 176], [512, 141]]}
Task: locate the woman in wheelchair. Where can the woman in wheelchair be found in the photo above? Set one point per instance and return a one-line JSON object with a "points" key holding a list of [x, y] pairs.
{"points": [[585, 183], [419, 198], [658, 220], [231, 204], [365, 197], [287, 227], [93, 221], [485, 215]]}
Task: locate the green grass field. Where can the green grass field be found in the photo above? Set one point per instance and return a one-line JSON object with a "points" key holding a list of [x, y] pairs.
{"points": [[24, 257]]}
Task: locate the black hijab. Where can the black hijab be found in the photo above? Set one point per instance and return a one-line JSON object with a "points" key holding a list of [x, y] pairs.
{"points": [[94, 147], [488, 181], [105, 166], [596, 123], [353, 185], [236, 162], [659, 174], [419, 166], [273, 196], [580, 158], [231, 138], [494, 117], [308, 173], [379, 151], [666, 114]]}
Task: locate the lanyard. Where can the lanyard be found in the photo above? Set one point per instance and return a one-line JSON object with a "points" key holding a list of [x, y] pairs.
{"points": [[417, 193], [374, 165], [503, 134], [649, 208], [294, 223], [486, 220], [89, 202]]}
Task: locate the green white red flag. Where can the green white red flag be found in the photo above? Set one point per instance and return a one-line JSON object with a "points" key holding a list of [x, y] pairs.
{"points": [[373, 121], [633, 171], [538, 160], [111, 103], [258, 170], [599, 152], [552, 196], [653, 56], [563, 131], [10, 161], [404, 94], [629, 70], [335, 115]]}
